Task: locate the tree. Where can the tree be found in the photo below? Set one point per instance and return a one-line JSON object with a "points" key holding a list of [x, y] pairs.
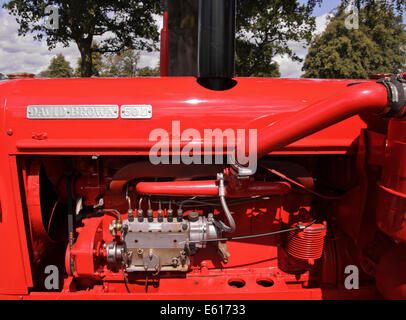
{"points": [[264, 30], [124, 23], [97, 63], [123, 64], [397, 5], [148, 72], [58, 68], [183, 26], [255, 63], [2, 76], [376, 47]]}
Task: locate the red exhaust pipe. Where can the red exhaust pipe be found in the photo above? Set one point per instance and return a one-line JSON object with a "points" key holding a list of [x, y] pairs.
{"points": [[211, 189], [386, 97], [363, 97]]}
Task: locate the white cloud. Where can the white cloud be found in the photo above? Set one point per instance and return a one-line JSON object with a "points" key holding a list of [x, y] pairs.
{"points": [[148, 59], [24, 54], [293, 69]]}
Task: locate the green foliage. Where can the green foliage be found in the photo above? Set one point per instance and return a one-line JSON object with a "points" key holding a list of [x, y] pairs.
{"points": [[255, 63], [376, 47], [396, 5], [58, 68], [148, 72], [97, 63], [264, 30], [124, 23], [123, 64]]}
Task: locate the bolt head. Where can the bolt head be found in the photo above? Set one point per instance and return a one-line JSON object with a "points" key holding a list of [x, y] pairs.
{"points": [[193, 216]]}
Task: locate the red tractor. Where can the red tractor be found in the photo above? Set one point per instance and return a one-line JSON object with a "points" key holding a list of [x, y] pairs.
{"points": [[209, 188]]}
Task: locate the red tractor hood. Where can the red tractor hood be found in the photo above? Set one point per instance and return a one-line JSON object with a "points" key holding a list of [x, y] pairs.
{"points": [[252, 104]]}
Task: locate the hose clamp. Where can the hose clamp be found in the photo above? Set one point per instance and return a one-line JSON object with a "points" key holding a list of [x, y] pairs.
{"points": [[238, 170], [396, 86], [222, 188]]}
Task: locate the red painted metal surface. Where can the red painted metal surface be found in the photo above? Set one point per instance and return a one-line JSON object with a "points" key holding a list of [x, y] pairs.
{"points": [[356, 99], [164, 52], [391, 278], [307, 244], [39, 237], [210, 188], [88, 249], [350, 158], [252, 104], [16, 273], [391, 216]]}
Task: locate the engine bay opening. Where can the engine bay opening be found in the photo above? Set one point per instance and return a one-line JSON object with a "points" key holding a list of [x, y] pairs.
{"points": [[136, 228]]}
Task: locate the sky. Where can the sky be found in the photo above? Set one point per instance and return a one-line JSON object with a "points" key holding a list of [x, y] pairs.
{"points": [[24, 54], [326, 7]]}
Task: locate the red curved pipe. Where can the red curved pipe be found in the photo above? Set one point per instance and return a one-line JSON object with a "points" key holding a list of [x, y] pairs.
{"points": [[210, 189], [179, 188], [355, 99]]}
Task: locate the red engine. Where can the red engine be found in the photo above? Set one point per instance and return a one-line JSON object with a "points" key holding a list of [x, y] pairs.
{"points": [[208, 188], [83, 190]]}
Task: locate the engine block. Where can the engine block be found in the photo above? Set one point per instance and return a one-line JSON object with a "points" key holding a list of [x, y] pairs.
{"points": [[161, 245], [327, 192]]}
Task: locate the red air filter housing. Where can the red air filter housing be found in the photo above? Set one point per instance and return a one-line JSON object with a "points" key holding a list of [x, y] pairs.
{"points": [[307, 244]]}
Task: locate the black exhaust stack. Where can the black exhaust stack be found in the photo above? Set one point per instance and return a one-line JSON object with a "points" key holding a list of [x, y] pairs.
{"points": [[216, 44]]}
